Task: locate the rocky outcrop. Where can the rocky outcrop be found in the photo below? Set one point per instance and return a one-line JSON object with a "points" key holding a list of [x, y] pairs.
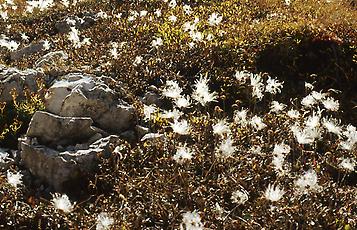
{"points": [[51, 129], [13, 78], [60, 168], [80, 95], [65, 143]]}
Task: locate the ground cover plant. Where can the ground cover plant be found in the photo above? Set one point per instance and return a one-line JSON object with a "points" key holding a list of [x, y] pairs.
{"points": [[256, 123]]}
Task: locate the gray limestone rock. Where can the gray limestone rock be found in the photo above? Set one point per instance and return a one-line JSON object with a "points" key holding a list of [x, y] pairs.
{"points": [[152, 98], [52, 58], [13, 78], [27, 50], [60, 168], [51, 129], [141, 131], [80, 95]]}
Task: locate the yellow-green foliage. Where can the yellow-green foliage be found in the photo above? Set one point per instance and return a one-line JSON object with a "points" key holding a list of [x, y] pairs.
{"points": [[15, 116]]}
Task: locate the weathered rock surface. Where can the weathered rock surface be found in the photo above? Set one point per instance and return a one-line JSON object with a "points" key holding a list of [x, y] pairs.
{"points": [[141, 131], [51, 129], [63, 144], [79, 95], [152, 98], [27, 50], [13, 78], [60, 168], [52, 58]]}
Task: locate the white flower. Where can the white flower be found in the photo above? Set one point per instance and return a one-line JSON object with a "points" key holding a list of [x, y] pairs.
{"points": [[221, 128], [180, 127], [175, 114], [256, 149], [191, 221], [318, 95], [182, 154], [157, 42], [313, 120], [65, 3], [132, 15], [41, 4], [73, 36], [101, 14], [104, 221], [173, 18], [196, 36], [347, 163], [308, 181], [46, 45], [4, 156], [302, 136], [351, 134], [10, 45], [273, 86], [138, 60], [257, 85], [172, 4], [331, 104], [44, 4], [62, 202], [14, 179], [183, 102], [209, 37], [71, 22], [332, 125], [279, 156], [4, 15], [292, 113], [281, 148], [214, 19], [273, 194], [226, 148], [242, 76], [313, 133], [148, 111], [143, 13], [308, 101], [157, 12], [287, 2], [239, 197], [240, 117], [309, 86], [187, 9], [188, 26], [278, 162], [276, 107], [218, 210], [257, 123], [201, 92], [172, 90], [114, 52], [86, 41]]}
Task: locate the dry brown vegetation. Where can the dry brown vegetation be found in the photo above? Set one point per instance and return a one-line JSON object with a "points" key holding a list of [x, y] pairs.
{"points": [[144, 187]]}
